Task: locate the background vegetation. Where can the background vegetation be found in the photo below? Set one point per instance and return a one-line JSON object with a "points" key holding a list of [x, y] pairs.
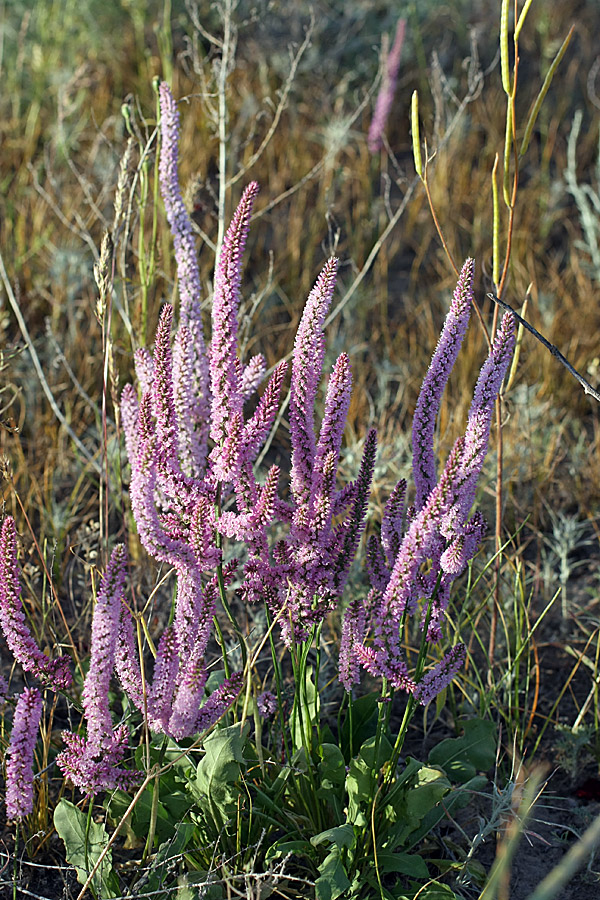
{"points": [[67, 69]]}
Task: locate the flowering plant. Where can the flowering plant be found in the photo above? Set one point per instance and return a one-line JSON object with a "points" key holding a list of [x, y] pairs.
{"points": [[232, 539]]}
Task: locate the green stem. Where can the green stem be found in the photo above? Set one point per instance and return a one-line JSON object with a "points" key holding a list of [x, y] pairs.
{"points": [[301, 711], [153, 820], [221, 641], [278, 680], [411, 703]]}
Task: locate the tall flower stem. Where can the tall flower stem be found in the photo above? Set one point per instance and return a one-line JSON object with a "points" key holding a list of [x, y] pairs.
{"points": [[225, 602], [278, 684], [302, 713], [411, 704]]}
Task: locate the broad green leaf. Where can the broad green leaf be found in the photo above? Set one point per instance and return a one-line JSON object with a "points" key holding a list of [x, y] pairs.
{"points": [[333, 880], [475, 751], [164, 863], [403, 782], [310, 708], [215, 783], [332, 776], [332, 768], [364, 723], [419, 813], [404, 863], [71, 824], [428, 892], [282, 848], [341, 836], [197, 886], [361, 780]]}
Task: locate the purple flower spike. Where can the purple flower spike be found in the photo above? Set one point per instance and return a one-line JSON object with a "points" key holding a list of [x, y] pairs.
{"points": [[163, 405], [105, 627], [185, 249], [267, 704], [179, 221], [353, 528], [14, 624], [144, 368], [19, 756], [391, 523], [327, 451], [307, 367], [166, 669], [258, 427], [226, 382], [428, 404], [193, 427], [477, 432], [422, 537], [126, 659], [353, 631], [437, 679], [386, 92], [94, 773], [129, 415], [252, 376], [3, 689], [219, 702]]}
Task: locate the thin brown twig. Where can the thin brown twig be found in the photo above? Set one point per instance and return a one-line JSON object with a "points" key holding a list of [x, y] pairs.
{"points": [[588, 389]]}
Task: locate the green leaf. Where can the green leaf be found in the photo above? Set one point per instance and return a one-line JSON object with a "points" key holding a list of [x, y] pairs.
{"points": [[309, 699], [340, 835], [419, 814], [428, 892], [332, 777], [166, 859], [403, 783], [361, 780], [215, 783], [364, 723], [282, 848], [461, 758], [332, 767], [404, 863], [196, 885], [71, 824], [333, 880]]}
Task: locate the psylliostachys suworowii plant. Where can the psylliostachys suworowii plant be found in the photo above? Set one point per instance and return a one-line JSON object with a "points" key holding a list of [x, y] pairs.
{"points": [[185, 511], [192, 450]]}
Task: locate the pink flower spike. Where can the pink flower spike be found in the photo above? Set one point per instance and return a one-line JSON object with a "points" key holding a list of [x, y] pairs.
{"points": [[385, 97], [434, 681], [126, 659], [428, 404], [307, 367], [391, 523], [257, 428], [185, 248], [105, 627], [252, 376], [353, 631], [193, 425], [166, 670], [19, 756], [163, 405], [129, 415], [14, 624], [329, 444], [227, 398]]}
